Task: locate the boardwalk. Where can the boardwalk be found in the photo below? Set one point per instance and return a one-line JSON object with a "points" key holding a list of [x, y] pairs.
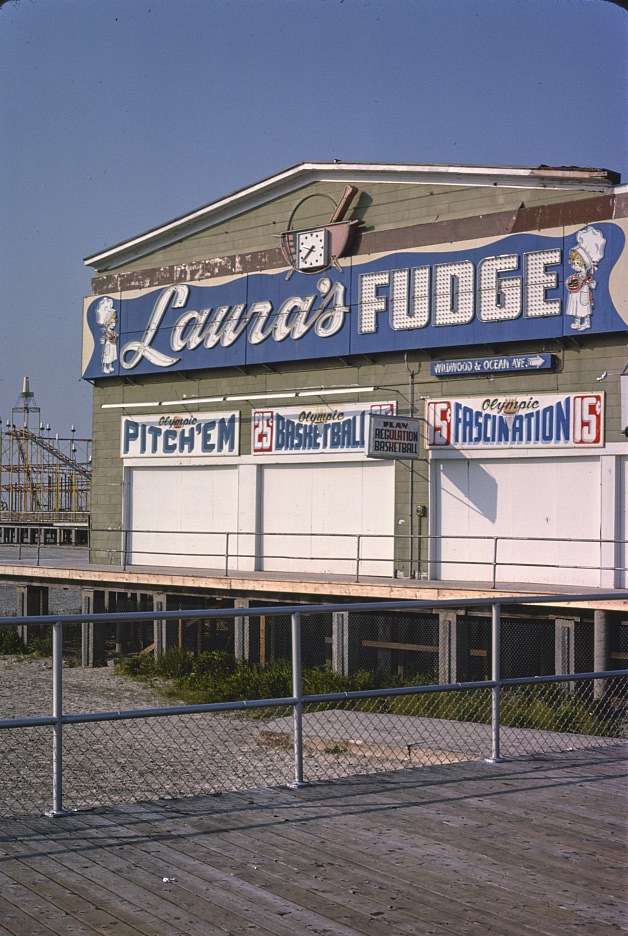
{"points": [[69, 566], [535, 846]]}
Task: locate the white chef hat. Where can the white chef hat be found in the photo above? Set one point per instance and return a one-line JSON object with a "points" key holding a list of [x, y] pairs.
{"points": [[591, 244], [104, 310]]}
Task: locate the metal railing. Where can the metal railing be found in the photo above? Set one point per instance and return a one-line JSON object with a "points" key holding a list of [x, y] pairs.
{"points": [[463, 736], [360, 555], [387, 551], [33, 537]]}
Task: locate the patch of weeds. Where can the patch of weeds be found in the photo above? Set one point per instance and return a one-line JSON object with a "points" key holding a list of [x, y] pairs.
{"points": [[11, 642], [216, 676], [40, 646]]}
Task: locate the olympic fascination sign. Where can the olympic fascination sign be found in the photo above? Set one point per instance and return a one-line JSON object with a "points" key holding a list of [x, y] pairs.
{"points": [[567, 420], [522, 287]]}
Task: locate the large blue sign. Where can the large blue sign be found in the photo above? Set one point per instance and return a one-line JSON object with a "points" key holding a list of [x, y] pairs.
{"points": [[523, 287]]}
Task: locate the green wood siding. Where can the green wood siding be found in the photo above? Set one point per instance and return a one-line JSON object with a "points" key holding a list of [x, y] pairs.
{"points": [[383, 207]]}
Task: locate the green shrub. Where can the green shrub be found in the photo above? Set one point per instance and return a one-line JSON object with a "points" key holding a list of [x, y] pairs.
{"points": [[41, 645], [553, 707], [217, 676], [139, 667], [10, 641]]}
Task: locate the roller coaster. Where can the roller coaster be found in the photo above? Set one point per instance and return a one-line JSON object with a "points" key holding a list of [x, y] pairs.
{"points": [[43, 479]]}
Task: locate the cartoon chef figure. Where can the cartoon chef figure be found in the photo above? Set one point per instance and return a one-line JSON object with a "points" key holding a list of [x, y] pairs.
{"points": [[106, 318], [583, 259]]}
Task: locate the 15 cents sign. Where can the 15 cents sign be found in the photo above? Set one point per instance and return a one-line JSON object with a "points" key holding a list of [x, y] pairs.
{"points": [[529, 421]]}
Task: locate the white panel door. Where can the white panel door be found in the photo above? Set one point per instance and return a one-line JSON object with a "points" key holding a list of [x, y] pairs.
{"points": [[180, 516], [526, 520], [312, 517]]}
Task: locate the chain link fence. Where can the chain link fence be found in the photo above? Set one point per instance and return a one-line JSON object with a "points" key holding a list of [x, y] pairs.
{"points": [[372, 689]]}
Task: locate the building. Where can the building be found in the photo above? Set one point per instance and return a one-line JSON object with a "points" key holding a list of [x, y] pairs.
{"points": [[389, 371]]}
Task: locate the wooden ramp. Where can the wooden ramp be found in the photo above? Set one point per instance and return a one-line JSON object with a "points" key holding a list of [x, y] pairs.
{"points": [[526, 847]]}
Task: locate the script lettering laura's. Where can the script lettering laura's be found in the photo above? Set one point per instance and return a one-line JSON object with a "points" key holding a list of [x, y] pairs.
{"points": [[175, 295], [226, 324]]}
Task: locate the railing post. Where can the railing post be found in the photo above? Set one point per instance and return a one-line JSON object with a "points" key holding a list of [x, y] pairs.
{"points": [[297, 692], [601, 651], [57, 714], [495, 692], [357, 558], [227, 554], [495, 560]]}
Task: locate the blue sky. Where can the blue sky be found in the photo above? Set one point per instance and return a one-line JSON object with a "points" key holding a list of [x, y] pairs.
{"points": [[117, 115]]}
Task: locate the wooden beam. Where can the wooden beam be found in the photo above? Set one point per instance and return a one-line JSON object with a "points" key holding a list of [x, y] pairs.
{"points": [[387, 645]]}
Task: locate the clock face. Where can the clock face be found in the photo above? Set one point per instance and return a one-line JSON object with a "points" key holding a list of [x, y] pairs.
{"points": [[312, 249]]}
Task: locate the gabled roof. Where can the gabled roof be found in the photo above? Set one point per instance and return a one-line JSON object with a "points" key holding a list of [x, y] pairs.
{"points": [[306, 173]]}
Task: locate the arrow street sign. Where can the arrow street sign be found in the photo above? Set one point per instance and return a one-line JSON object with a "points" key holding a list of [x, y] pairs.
{"points": [[494, 365]]}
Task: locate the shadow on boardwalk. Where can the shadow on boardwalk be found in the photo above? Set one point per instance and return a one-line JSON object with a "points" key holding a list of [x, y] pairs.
{"points": [[533, 846]]}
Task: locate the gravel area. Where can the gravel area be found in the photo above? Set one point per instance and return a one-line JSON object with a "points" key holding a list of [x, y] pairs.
{"points": [[26, 689], [130, 760], [146, 759]]}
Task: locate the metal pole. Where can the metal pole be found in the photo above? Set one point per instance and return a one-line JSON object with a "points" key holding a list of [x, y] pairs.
{"points": [[297, 692], [57, 714], [357, 559], [227, 555], [495, 692], [494, 561], [411, 376]]}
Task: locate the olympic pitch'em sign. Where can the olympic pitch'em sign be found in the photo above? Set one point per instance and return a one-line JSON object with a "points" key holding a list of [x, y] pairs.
{"points": [[565, 420], [186, 435]]}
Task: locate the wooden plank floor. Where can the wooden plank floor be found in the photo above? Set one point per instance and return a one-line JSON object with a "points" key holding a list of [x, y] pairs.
{"points": [[526, 847]]}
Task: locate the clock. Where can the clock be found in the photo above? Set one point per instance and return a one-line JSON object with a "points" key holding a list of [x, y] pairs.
{"points": [[312, 249]]}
